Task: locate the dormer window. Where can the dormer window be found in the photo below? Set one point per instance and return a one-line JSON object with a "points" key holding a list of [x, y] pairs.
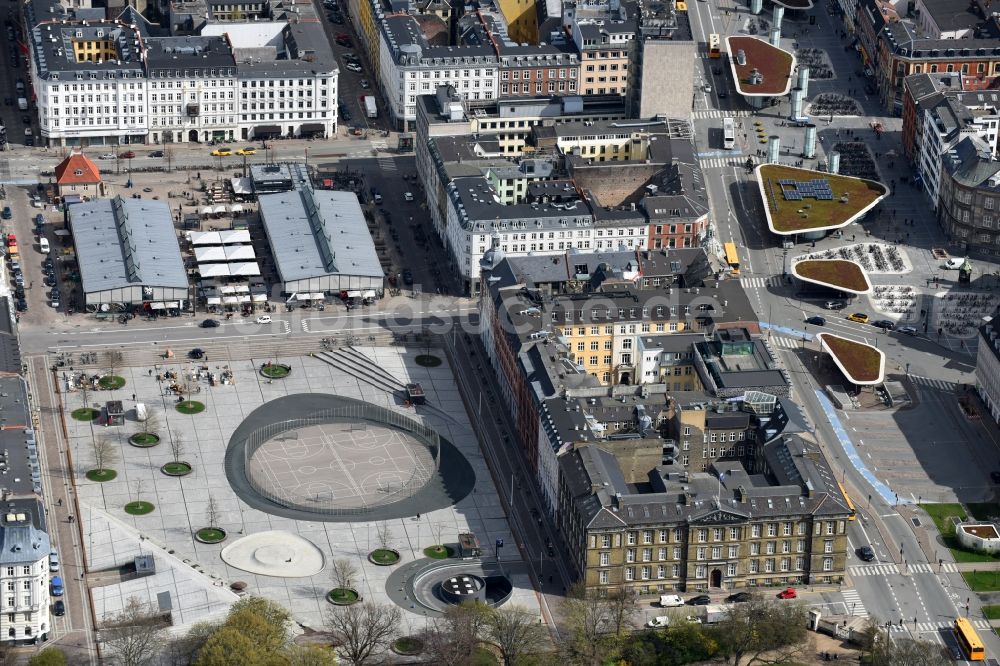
{"points": [[78, 172]]}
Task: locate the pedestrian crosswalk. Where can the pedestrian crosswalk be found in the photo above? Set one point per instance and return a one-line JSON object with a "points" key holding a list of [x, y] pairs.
{"points": [[893, 569], [704, 114], [855, 606], [785, 343], [934, 383], [761, 282], [721, 162]]}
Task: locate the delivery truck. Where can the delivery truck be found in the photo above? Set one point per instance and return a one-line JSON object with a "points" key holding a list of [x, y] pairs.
{"points": [[370, 109]]}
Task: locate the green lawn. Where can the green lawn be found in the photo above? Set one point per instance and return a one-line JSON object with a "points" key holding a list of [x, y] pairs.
{"points": [[438, 552], [190, 407], [992, 612], [211, 534], [983, 581], [275, 371], [384, 556], [111, 382], [85, 414], [941, 514], [176, 468], [428, 360], [342, 596], [101, 475], [144, 439], [139, 508]]}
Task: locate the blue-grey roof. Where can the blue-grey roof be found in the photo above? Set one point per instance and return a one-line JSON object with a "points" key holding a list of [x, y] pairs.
{"points": [[22, 536], [126, 243], [318, 232], [18, 446]]}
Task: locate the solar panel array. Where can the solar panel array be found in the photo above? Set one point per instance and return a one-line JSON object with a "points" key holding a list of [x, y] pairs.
{"points": [[797, 190]]}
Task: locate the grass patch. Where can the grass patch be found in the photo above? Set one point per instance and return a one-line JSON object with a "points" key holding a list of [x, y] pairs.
{"points": [[343, 596], [784, 214], [839, 273], [384, 556], [982, 581], [176, 468], [101, 475], [111, 382], [210, 535], [428, 360], [275, 371], [144, 439], [190, 407], [139, 508], [942, 514], [85, 414], [439, 552], [861, 362], [991, 612], [408, 645], [963, 556]]}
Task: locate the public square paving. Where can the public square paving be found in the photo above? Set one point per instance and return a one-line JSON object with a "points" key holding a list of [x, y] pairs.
{"points": [[181, 502]]}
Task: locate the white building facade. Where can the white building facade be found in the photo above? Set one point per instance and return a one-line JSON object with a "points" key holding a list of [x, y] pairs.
{"points": [[24, 578]]}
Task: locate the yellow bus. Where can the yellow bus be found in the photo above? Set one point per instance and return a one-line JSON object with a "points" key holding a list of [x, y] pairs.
{"points": [[850, 504], [714, 50], [969, 640], [732, 258]]}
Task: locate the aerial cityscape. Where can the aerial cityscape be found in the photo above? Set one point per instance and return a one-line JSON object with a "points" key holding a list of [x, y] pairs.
{"points": [[613, 332]]}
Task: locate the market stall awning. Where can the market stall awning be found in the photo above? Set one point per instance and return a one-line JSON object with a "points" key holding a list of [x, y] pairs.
{"points": [[311, 128], [236, 208], [244, 269], [213, 300], [370, 293], [156, 306], [207, 210], [354, 294], [243, 298], [241, 288], [266, 130], [214, 270], [230, 300], [220, 210], [259, 298], [173, 304]]}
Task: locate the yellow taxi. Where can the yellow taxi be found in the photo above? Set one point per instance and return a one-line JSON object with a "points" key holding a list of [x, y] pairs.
{"points": [[222, 152], [246, 151], [858, 317]]}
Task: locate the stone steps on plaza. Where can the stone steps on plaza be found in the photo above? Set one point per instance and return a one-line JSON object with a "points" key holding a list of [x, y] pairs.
{"points": [[367, 363], [361, 372]]}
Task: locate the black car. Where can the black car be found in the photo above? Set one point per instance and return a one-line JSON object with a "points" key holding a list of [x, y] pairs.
{"points": [[407, 277], [816, 321], [30, 141], [739, 598], [26, 120], [338, 19], [700, 600], [156, 153], [196, 353], [59, 608], [210, 323], [22, 305], [995, 477], [345, 114], [8, 101], [884, 324], [866, 553]]}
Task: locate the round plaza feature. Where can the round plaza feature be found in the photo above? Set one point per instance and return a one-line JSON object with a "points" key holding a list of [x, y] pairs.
{"points": [[332, 458], [275, 553]]}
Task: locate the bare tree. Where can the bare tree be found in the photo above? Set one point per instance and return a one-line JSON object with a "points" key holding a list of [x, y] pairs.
{"points": [[113, 359], [135, 635], [105, 451], [363, 631], [168, 153], [623, 606], [212, 511], [453, 638], [384, 535], [437, 531], [153, 422], [587, 638], [85, 390], [344, 572], [515, 632], [138, 490], [176, 445], [759, 626]]}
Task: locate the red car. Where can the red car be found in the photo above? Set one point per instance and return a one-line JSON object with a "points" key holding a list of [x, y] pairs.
{"points": [[788, 593], [11, 240], [127, 155]]}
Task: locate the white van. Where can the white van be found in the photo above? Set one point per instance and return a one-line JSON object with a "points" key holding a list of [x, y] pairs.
{"points": [[141, 413], [43, 245], [264, 319]]}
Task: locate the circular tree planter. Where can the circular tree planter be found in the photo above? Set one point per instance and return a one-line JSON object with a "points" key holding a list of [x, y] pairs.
{"points": [[177, 468], [408, 646], [190, 407], [275, 370], [101, 475], [439, 552], [343, 596], [210, 535], [139, 508], [144, 440], [384, 557], [111, 382], [85, 414], [427, 360]]}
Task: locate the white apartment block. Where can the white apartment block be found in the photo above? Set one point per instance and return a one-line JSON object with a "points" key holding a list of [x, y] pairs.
{"points": [[24, 574]]}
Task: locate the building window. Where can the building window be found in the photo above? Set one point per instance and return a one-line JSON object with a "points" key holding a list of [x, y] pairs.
{"points": [[674, 570], [717, 534], [644, 573], [630, 555], [770, 548], [605, 559], [772, 529], [602, 576], [629, 573], [647, 554], [700, 553], [716, 552], [605, 541], [702, 534], [699, 571], [828, 546], [827, 564], [661, 571], [787, 529], [662, 554], [734, 552], [731, 569], [630, 538], [755, 531], [647, 536]]}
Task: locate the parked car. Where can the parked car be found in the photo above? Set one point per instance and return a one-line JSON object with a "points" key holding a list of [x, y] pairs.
{"points": [[866, 553], [658, 621], [264, 319], [107, 156], [407, 277], [53, 561], [788, 593], [884, 324], [59, 608], [907, 330], [995, 477], [364, 84], [345, 41], [408, 196], [7, 214], [671, 600], [700, 600], [210, 323], [345, 114], [156, 153], [858, 317], [835, 305], [816, 320], [739, 598], [249, 150], [57, 586], [353, 67], [127, 155]]}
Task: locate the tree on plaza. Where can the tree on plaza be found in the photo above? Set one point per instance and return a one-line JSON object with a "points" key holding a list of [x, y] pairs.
{"points": [[255, 633], [310, 655], [212, 511], [135, 635], [105, 451], [153, 422], [84, 388], [363, 631], [453, 638], [515, 632], [176, 442], [762, 625], [344, 572], [113, 360], [623, 604], [383, 533]]}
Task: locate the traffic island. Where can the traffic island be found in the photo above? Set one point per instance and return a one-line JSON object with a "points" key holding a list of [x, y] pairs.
{"points": [[275, 370], [139, 508], [343, 596], [408, 646], [210, 535], [144, 440], [177, 468], [836, 274], [861, 364], [190, 407], [111, 382], [85, 414], [384, 557], [101, 475]]}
